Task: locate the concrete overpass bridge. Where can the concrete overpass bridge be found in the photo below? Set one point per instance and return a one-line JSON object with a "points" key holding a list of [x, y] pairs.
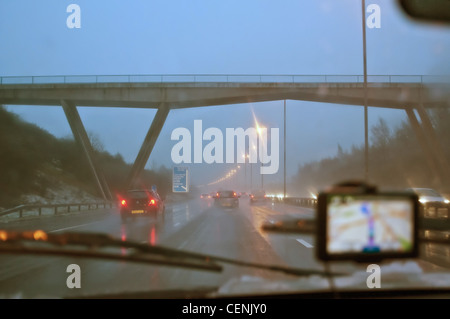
{"points": [[412, 93]]}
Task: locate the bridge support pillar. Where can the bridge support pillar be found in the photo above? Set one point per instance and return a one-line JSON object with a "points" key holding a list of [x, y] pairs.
{"points": [[83, 141], [147, 145], [427, 148], [433, 140]]}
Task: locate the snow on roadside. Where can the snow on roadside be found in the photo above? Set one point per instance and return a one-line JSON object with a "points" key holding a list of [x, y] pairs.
{"points": [[60, 195]]}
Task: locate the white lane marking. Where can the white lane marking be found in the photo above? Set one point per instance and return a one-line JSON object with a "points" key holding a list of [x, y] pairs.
{"points": [[304, 243], [175, 225], [61, 229]]}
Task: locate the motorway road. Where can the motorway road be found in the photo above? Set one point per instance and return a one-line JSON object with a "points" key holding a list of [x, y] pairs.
{"points": [[195, 225]]}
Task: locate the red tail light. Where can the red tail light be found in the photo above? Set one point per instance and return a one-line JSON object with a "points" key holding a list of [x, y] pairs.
{"points": [[252, 196], [151, 202], [234, 195], [123, 202], [217, 195]]}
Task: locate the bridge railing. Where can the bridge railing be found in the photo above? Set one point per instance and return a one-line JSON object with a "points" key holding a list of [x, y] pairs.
{"points": [[53, 209], [222, 78]]}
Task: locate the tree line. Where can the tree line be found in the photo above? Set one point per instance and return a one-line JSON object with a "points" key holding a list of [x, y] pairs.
{"points": [[396, 159], [32, 160]]}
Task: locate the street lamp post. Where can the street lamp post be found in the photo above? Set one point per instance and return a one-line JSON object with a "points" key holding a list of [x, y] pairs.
{"points": [[251, 173], [284, 149], [245, 174], [251, 177], [245, 171], [259, 129], [366, 130], [262, 176]]}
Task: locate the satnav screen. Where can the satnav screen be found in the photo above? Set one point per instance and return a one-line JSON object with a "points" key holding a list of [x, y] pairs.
{"points": [[369, 224]]}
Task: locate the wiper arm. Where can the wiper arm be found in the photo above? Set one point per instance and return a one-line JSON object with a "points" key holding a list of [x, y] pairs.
{"points": [[143, 252]]}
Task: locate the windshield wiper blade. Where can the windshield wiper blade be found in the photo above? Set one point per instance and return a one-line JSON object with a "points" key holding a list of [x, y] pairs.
{"points": [[12, 242], [286, 270], [171, 255], [157, 260]]}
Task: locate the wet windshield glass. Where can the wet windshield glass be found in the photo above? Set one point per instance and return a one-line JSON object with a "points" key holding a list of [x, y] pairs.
{"points": [[264, 103]]}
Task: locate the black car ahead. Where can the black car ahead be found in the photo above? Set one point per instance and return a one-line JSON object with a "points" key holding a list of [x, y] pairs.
{"points": [[141, 202]]}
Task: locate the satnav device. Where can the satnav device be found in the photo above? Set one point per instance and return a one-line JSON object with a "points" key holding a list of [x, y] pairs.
{"points": [[366, 225]]}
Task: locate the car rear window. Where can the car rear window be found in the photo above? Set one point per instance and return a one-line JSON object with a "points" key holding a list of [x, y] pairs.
{"points": [[226, 194], [138, 194]]}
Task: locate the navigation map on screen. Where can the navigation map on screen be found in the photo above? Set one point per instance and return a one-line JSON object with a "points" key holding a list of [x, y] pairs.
{"points": [[369, 224]]}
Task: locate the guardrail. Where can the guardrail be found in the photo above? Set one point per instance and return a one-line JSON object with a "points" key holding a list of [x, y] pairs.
{"points": [[429, 211], [297, 201], [37, 209], [224, 78]]}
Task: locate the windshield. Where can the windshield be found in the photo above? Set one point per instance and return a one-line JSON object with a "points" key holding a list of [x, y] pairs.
{"points": [[264, 103]]}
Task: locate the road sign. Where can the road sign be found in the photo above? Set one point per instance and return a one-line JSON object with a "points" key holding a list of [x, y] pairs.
{"points": [[180, 179]]}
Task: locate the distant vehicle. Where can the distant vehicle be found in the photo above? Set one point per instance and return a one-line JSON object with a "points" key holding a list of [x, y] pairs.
{"points": [[226, 199], [429, 196], [258, 196], [205, 196], [141, 202]]}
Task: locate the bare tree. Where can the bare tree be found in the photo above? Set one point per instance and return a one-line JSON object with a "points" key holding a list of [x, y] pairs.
{"points": [[381, 135]]}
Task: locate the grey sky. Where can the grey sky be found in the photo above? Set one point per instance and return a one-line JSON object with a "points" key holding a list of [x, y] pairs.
{"points": [[216, 37]]}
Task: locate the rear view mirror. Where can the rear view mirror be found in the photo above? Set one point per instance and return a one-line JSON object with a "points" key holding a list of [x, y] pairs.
{"points": [[427, 10]]}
